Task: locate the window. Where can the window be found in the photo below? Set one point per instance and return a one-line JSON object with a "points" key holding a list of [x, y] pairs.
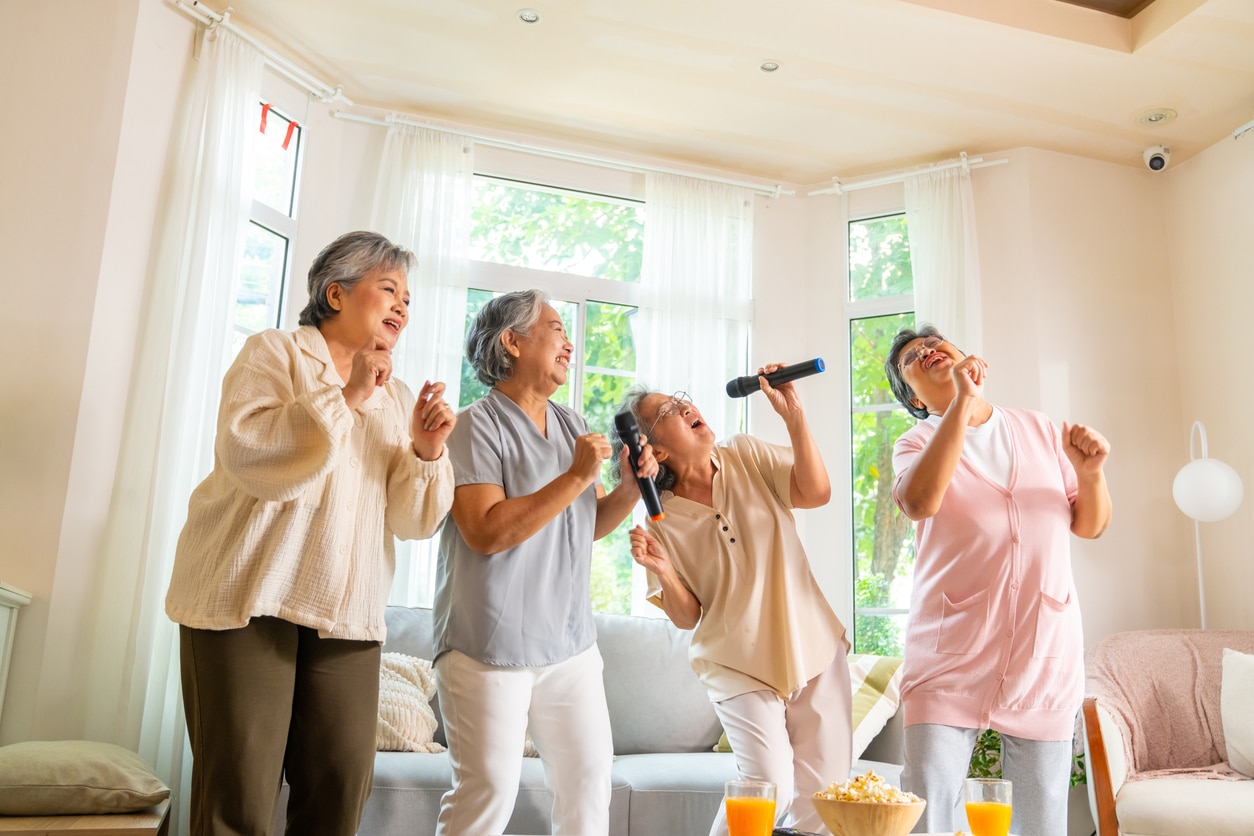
{"points": [[585, 251], [272, 225], [880, 304]]}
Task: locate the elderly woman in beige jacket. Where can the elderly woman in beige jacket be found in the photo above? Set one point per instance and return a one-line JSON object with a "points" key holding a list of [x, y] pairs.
{"points": [[282, 571]]}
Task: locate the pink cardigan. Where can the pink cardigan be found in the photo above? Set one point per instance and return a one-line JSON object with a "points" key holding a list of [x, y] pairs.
{"points": [[993, 639]]}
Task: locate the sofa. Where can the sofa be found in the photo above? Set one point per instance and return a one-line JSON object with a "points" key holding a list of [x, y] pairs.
{"points": [[1165, 722], [666, 779]]}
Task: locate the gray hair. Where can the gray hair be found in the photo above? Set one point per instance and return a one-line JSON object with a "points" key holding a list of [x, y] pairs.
{"points": [[346, 261], [895, 379], [516, 312], [665, 478]]}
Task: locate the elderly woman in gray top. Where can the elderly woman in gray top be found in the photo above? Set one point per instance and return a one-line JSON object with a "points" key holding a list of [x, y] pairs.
{"points": [[515, 643]]}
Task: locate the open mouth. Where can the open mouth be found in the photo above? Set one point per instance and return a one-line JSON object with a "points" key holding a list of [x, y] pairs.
{"points": [[935, 359], [393, 324]]}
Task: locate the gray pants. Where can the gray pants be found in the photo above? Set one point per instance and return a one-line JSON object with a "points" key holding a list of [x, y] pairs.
{"points": [[937, 759], [272, 699]]}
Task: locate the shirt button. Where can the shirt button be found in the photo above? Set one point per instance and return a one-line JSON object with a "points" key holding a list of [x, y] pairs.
{"points": [[1014, 539], [1010, 634], [348, 506], [724, 528], [354, 461], [718, 516], [342, 549], [733, 539], [1014, 586]]}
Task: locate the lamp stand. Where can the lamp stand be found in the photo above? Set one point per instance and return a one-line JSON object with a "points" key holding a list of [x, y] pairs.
{"points": [[1201, 586]]}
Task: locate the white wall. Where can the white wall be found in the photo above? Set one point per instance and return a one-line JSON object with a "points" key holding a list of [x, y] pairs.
{"points": [[1209, 234], [1111, 295]]}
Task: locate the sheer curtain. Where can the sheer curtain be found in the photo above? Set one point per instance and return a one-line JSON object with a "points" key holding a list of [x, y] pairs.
{"points": [[167, 447], [940, 210], [423, 201], [696, 292]]}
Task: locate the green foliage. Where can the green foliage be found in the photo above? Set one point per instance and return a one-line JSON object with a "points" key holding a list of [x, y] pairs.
{"points": [[986, 757], [879, 259], [531, 227]]}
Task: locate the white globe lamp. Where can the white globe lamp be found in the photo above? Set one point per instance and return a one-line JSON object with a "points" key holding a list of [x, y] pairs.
{"points": [[1206, 490]]}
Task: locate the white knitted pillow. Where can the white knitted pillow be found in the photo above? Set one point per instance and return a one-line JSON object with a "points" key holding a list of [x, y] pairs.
{"points": [[406, 721]]}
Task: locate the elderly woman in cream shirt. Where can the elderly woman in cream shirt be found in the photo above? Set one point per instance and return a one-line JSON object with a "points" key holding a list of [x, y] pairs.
{"points": [[282, 570], [727, 563]]}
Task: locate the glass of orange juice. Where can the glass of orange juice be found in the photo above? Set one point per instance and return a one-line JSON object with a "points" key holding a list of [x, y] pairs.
{"points": [[988, 806], [750, 808]]}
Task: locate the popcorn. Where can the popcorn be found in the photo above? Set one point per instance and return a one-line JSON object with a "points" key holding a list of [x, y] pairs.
{"points": [[868, 788]]}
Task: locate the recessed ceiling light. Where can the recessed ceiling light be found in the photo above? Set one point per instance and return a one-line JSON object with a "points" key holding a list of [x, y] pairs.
{"points": [[769, 66], [1157, 116], [528, 15]]}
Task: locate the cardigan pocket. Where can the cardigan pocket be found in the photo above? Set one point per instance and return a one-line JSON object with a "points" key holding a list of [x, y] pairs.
{"points": [[963, 624], [1053, 628]]}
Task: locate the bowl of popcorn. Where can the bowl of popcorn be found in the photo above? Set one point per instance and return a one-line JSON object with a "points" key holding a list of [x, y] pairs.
{"points": [[868, 806]]}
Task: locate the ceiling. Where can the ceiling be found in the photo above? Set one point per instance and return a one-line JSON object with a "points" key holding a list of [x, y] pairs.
{"points": [[864, 86]]}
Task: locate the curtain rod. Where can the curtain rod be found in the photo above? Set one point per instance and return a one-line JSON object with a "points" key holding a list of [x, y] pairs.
{"points": [[210, 19], [838, 187], [574, 156], [1244, 129]]}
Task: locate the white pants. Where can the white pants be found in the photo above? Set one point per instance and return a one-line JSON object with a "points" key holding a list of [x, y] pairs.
{"points": [[487, 711], [800, 745], [937, 760]]}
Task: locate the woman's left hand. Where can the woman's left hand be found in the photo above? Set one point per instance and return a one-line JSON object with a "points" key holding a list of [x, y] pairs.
{"points": [[1085, 447], [784, 398], [432, 422], [648, 463]]}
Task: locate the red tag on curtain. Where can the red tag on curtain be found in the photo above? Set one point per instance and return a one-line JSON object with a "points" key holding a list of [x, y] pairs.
{"points": [[265, 111], [291, 126]]}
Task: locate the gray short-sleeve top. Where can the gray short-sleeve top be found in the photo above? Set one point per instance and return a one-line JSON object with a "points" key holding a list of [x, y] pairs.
{"points": [[527, 605]]}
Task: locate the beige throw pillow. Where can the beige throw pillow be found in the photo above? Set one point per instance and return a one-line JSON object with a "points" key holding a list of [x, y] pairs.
{"points": [[75, 777], [406, 720], [1236, 696]]}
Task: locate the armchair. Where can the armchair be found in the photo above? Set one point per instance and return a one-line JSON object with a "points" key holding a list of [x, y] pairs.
{"points": [[1154, 738]]}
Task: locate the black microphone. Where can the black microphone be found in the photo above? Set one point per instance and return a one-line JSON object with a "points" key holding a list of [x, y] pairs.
{"points": [[742, 386], [629, 434]]}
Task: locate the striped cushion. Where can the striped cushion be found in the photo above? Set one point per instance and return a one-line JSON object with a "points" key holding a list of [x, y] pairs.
{"points": [[876, 682]]}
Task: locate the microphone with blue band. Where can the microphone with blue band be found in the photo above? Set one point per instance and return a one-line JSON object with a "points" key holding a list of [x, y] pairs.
{"points": [[747, 385]]}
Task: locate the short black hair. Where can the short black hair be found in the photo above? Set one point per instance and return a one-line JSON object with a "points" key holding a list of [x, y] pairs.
{"points": [[895, 379]]}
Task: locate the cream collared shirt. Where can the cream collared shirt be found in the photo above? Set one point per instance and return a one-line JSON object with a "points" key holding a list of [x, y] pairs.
{"points": [[298, 517], [765, 623]]}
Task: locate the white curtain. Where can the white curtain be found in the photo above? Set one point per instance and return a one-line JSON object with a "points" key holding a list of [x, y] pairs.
{"points": [[423, 201], [167, 443], [940, 211], [696, 293]]}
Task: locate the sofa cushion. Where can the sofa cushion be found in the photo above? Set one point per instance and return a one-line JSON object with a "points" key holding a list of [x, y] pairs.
{"points": [[75, 777], [673, 793], [876, 682], [656, 702], [406, 721], [1236, 697], [1185, 805]]}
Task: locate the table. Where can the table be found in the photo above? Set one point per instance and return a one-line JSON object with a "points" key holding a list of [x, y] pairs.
{"points": [[155, 821]]}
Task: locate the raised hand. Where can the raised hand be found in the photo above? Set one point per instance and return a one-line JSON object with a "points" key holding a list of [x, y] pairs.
{"points": [[648, 552], [1085, 447], [590, 451], [432, 421], [372, 366], [784, 398], [969, 375]]}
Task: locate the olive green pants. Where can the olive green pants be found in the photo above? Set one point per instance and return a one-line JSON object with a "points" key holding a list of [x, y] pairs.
{"points": [[273, 700]]}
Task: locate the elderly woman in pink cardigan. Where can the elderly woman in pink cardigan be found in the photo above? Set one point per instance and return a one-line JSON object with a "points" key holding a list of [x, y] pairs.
{"points": [[993, 639]]}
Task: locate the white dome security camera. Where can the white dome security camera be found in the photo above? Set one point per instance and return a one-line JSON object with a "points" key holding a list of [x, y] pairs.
{"points": [[1157, 157]]}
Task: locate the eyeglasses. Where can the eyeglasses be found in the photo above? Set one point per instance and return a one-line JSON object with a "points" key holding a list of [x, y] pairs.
{"points": [[914, 353], [674, 405]]}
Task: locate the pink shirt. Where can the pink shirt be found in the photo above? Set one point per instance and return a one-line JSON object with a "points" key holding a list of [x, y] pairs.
{"points": [[993, 639]]}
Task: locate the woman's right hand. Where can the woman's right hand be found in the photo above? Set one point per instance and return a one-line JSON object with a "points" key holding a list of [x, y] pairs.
{"points": [[590, 451], [969, 375], [372, 366], [648, 552]]}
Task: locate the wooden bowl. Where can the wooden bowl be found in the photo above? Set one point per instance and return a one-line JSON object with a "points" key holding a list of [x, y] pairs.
{"points": [[866, 818]]}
